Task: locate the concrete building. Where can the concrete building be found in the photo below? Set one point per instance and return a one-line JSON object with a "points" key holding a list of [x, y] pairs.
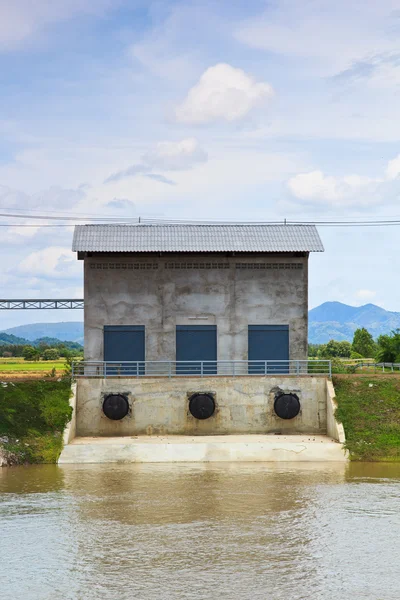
{"points": [[160, 292], [196, 347]]}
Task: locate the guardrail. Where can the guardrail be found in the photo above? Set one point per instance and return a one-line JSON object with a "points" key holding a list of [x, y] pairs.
{"points": [[221, 368], [381, 366]]}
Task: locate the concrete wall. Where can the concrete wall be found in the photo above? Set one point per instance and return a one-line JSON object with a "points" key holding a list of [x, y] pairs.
{"points": [[70, 430], [210, 289], [334, 429], [160, 406]]}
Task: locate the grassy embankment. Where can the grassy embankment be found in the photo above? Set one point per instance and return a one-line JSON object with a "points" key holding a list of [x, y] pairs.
{"points": [[369, 408], [33, 415]]}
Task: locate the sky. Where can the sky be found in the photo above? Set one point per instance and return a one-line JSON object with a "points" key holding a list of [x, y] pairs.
{"points": [[236, 110]]}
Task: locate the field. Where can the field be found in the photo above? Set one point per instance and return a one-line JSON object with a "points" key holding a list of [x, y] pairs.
{"points": [[20, 367]]}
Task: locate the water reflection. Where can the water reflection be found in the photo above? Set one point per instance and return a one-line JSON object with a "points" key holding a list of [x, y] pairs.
{"points": [[154, 494], [31, 479], [228, 531]]}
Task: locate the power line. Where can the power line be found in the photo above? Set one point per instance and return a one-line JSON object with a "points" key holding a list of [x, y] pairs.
{"points": [[63, 218], [69, 221], [36, 226]]}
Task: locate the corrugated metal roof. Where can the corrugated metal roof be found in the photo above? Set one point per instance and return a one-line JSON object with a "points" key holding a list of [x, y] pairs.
{"points": [[196, 238]]}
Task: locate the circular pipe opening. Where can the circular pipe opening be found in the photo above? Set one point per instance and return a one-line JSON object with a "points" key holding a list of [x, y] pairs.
{"points": [[115, 406], [201, 406], [287, 406]]}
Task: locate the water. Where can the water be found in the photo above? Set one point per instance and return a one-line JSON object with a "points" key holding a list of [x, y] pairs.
{"points": [[174, 532]]}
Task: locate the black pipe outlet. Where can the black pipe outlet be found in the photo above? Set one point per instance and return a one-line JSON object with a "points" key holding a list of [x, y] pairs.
{"points": [[201, 406], [287, 406], [115, 406]]}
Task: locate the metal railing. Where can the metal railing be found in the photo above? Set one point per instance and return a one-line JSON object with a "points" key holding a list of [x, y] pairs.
{"points": [[206, 368], [378, 366]]}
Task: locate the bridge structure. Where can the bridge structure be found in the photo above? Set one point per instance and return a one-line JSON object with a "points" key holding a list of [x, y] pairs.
{"points": [[42, 304]]}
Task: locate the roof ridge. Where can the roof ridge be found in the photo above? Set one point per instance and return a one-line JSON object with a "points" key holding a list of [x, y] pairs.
{"points": [[197, 225]]}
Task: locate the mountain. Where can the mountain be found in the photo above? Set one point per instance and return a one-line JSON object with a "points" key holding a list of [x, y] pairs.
{"points": [[70, 331], [334, 320]]}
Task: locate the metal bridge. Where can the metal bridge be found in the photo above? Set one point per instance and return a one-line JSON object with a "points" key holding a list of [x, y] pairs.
{"points": [[41, 304]]}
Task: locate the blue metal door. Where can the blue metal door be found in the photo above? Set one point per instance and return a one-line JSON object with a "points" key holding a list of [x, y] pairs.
{"points": [[196, 343], [124, 343], [268, 342]]}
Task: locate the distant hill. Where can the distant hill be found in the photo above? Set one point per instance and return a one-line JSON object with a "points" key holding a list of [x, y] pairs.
{"points": [[12, 340], [331, 320], [55, 342], [71, 331], [334, 320], [6, 338]]}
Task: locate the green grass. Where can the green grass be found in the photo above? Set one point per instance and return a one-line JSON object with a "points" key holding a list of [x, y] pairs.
{"points": [[369, 408], [29, 367], [33, 415]]}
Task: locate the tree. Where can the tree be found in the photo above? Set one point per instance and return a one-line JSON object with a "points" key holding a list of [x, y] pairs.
{"points": [[389, 347], [51, 354], [334, 349], [313, 350], [30, 353], [363, 343]]}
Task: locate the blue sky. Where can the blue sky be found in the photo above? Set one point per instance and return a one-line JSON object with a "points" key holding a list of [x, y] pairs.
{"points": [[221, 110]]}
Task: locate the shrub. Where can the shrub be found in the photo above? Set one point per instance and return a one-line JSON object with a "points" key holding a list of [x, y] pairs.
{"points": [[30, 353], [51, 354], [334, 349], [339, 368], [34, 408]]}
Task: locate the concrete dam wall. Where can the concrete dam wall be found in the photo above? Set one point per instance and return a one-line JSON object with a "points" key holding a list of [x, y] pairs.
{"points": [[160, 406]]}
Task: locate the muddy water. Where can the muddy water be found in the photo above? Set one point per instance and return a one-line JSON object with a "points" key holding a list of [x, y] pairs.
{"points": [[221, 532]]}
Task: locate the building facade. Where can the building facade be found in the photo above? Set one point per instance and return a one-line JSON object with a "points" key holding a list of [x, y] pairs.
{"points": [[159, 292]]}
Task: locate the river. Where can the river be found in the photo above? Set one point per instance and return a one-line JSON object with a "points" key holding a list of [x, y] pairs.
{"points": [[223, 532]]}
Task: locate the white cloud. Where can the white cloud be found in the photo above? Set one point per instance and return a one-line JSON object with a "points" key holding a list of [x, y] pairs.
{"points": [[55, 198], [175, 156], [20, 19], [365, 295], [393, 168], [19, 234], [223, 92], [332, 34], [156, 56], [165, 156], [351, 190], [55, 262], [170, 49], [317, 187], [123, 204], [53, 201]]}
